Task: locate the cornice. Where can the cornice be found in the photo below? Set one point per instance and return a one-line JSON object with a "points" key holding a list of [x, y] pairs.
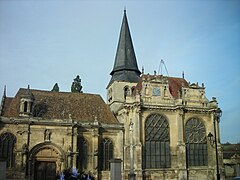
{"points": [[177, 108], [57, 122]]}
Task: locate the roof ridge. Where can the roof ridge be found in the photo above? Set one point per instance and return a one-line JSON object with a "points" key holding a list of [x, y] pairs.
{"points": [[60, 92]]}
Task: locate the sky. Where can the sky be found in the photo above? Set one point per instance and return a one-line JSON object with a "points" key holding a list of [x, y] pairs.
{"points": [[47, 41]]}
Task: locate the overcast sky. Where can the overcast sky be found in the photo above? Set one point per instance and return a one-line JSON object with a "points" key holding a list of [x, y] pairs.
{"points": [[47, 41]]}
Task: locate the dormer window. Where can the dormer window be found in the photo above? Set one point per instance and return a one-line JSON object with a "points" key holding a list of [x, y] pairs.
{"points": [[26, 103], [25, 107]]}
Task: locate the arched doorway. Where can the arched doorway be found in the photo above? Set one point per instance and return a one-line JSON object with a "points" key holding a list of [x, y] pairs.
{"points": [[46, 159]]}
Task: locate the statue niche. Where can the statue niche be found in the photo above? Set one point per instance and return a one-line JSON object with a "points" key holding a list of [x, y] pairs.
{"points": [[47, 135]]}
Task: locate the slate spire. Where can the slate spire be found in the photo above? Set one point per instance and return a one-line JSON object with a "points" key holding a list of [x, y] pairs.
{"points": [[125, 67]]}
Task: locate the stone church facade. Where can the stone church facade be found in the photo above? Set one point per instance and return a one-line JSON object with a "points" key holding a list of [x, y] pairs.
{"points": [[156, 125]]}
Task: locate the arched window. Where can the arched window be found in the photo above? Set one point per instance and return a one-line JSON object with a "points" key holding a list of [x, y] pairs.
{"points": [[157, 142], [7, 142], [196, 143], [133, 89], [106, 154], [83, 153], [126, 92], [25, 106]]}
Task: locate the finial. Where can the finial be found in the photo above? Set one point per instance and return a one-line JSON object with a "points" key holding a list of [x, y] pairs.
{"points": [[4, 91], [143, 70], [183, 74], [55, 88], [28, 90], [125, 9]]}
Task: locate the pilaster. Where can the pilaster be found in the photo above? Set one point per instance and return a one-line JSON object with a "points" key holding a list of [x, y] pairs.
{"points": [[75, 151], [180, 119], [181, 147], [95, 150]]}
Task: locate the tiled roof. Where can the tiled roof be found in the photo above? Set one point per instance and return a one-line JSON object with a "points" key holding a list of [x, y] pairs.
{"points": [[175, 84], [82, 107]]}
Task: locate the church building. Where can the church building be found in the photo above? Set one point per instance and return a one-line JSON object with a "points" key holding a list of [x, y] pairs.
{"points": [[155, 126]]}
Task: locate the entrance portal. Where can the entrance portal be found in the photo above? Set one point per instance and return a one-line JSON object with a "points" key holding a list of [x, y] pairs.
{"points": [[45, 170], [45, 161]]}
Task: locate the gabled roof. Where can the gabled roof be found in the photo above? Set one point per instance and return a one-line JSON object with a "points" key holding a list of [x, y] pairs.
{"points": [[125, 67], [59, 105]]}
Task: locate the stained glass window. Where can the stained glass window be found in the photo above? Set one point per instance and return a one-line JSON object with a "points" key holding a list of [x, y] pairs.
{"points": [[106, 154], [196, 143], [7, 142], [157, 142]]}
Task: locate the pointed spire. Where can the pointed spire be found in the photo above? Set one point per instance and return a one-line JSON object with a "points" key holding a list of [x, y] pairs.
{"points": [[125, 66]]}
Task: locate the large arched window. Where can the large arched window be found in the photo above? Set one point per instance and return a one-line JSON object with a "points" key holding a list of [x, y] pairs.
{"points": [[7, 142], [157, 142], [106, 154], [196, 143], [82, 153]]}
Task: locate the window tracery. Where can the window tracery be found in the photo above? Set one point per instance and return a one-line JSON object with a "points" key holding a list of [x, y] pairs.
{"points": [[106, 154], [196, 143], [7, 143], [157, 142]]}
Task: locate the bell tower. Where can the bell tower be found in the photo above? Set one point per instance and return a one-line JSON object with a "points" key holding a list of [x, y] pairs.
{"points": [[125, 73]]}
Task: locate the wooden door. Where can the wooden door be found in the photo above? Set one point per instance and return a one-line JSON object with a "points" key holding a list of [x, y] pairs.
{"points": [[45, 170]]}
